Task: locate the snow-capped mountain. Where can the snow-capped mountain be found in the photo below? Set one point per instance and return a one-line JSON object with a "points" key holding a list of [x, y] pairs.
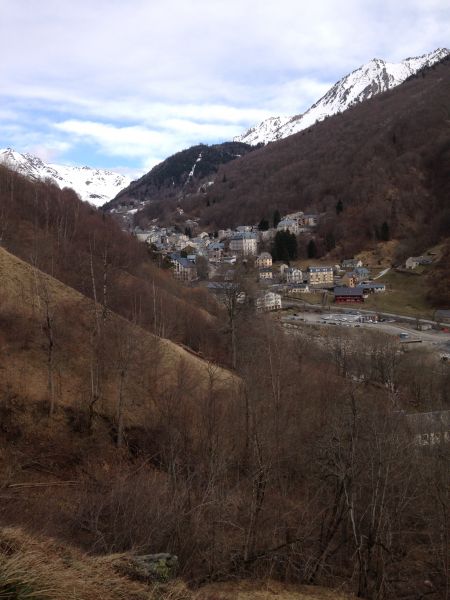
{"points": [[372, 78], [96, 186]]}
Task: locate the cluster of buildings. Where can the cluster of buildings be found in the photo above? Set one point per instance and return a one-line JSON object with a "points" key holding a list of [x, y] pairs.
{"points": [[225, 246], [349, 281], [220, 251], [298, 222], [415, 261]]}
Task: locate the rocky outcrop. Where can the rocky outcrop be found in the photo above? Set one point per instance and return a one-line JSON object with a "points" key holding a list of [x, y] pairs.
{"points": [[160, 567]]}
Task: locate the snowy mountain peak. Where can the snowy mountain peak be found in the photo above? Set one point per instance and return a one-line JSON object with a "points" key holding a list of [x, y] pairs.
{"points": [[370, 79], [96, 186]]}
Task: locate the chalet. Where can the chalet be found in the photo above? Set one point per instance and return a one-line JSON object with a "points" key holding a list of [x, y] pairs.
{"points": [[371, 287], [360, 273], [264, 260], [293, 275], [320, 275], [414, 261], [349, 294], [268, 302]]}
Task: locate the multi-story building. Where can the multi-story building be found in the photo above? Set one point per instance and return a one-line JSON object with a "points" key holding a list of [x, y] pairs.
{"points": [[265, 274], [290, 225], [183, 269], [268, 301], [244, 243], [293, 275], [215, 251], [320, 275], [264, 260]]}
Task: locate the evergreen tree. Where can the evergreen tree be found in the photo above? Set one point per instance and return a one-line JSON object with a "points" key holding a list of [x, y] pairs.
{"points": [[276, 217], [291, 245], [384, 232], [311, 249], [284, 246], [263, 225], [330, 241]]}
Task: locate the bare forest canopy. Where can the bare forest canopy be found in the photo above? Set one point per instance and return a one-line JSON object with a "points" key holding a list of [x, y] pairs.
{"points": [[85, 249], [385, 160]]}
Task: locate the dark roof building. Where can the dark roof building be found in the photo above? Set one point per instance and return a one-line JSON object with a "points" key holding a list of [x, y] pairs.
{"points": [[349, 294]]}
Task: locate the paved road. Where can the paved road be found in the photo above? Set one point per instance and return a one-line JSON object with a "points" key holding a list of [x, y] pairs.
{"points": [[438, 339]]}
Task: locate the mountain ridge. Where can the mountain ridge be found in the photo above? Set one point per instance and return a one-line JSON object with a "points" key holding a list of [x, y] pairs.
{"points": [[372, 78], [96, 186]]}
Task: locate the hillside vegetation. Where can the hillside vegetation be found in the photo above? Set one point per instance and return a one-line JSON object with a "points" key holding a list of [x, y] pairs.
{"points": [[60, 235], [179, 174]]}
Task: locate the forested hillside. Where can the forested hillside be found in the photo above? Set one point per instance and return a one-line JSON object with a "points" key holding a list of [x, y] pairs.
{"points": [[180, 174], [57, 233]]}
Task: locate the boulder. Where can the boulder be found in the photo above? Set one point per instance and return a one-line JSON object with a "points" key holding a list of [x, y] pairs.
{"points": [[152, 567]]}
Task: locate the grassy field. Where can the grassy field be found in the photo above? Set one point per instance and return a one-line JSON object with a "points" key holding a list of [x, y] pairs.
{"points": [[405, 294]]}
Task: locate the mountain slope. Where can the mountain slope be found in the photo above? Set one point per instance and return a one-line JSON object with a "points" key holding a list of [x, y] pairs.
{"points": [[385, 160], [86, 250], [179, 175], [96, 186], [367, 81], [27, 295]]}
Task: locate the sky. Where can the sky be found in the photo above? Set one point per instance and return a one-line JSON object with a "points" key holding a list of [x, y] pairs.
{"points": [[124, 84]]}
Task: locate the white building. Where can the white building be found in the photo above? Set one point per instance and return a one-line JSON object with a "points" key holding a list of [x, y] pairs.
{"points": [[414, 261], [264, 260], [244, 243], [268, 301], [290, 225], [293, 275]]}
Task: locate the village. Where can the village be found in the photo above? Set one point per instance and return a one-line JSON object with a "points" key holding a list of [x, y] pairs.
{"points": [[196, 257]]}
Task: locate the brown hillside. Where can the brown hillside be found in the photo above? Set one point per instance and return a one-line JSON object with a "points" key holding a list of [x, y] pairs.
{"points": [[85, 249], [28, 296]]}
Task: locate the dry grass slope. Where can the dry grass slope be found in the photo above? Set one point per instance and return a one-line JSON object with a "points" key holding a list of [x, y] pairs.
{"points": [[38, 568], [26, 294]]}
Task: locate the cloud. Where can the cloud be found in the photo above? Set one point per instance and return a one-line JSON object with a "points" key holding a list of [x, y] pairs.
{"points": [[144, 78]]}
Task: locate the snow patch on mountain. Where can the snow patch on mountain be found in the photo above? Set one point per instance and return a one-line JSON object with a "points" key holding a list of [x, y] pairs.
{"points": [[371, 79], [96, 186]]}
